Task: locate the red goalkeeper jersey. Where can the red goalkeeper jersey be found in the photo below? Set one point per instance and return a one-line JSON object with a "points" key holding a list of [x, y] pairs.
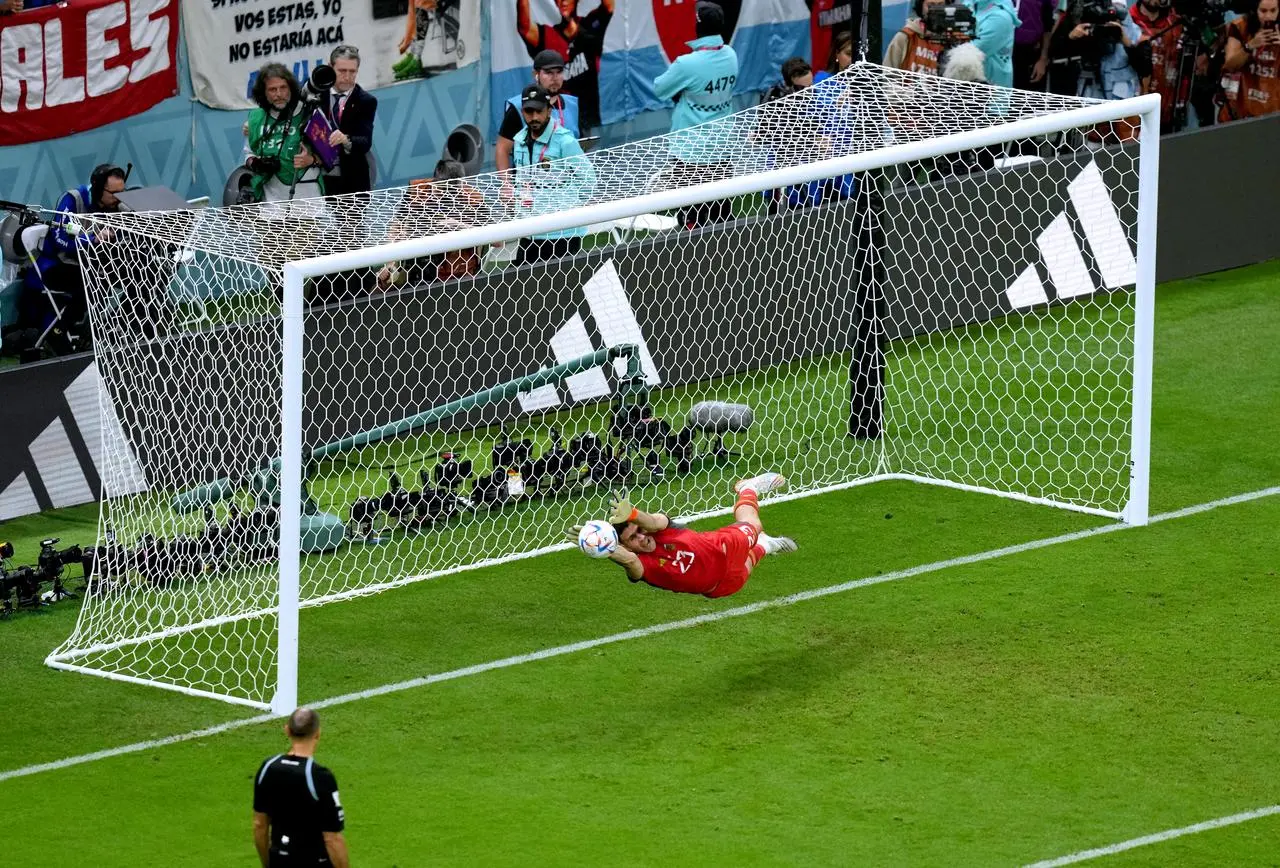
{"points": [[712, 563]]}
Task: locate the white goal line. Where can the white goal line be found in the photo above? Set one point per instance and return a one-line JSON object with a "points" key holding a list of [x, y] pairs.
{"points": [[1158, 837], [654, 630]]}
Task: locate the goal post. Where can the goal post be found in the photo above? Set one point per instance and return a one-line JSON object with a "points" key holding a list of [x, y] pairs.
{"points": [[1137, 509], [962, 296]]}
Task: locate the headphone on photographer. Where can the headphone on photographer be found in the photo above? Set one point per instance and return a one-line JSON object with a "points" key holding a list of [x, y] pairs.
{"points": [[98, 180]]}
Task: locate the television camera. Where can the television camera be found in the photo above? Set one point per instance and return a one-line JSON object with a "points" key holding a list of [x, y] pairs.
{"points": [[949, 24], [1100, 15]]}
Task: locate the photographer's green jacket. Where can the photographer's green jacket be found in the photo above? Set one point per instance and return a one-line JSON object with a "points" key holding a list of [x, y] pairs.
{"points": [[277, 137]]}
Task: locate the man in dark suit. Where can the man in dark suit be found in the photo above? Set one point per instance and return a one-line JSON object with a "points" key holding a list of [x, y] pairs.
{"points": [[351, 109]]}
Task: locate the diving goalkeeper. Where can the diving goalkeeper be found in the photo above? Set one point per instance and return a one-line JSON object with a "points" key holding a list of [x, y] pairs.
{"points": [[713, 563]]}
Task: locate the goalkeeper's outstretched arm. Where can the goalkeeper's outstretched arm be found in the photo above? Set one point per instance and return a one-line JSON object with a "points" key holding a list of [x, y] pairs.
{"points": [[627, 559], [622, 515], [621, 511]]}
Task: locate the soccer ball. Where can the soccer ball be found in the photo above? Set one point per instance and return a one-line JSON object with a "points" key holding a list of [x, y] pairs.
{"points": [[597, 539]]}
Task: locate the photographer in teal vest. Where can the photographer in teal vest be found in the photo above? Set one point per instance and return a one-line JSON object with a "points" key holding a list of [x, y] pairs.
{"points": [[551, 175], [548, 73]]}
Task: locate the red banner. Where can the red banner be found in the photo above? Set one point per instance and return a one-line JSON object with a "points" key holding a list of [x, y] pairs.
{"points": [[84, 63]]}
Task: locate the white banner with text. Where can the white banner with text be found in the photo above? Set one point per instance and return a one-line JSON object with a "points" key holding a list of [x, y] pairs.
{"points": [[228, 41]]}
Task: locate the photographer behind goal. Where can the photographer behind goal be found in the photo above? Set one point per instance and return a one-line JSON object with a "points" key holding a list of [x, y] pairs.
{"points": [[1095, 51], [283, 166], [932, 28], [1251, 67]]}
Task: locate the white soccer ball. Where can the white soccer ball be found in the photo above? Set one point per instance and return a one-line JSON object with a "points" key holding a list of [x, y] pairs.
{"points": [[597, 539]]}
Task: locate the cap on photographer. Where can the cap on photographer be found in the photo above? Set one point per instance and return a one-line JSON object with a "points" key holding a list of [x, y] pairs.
{"points": [[548, 73]]}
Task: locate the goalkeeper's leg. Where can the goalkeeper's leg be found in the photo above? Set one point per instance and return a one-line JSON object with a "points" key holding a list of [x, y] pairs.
{"points": [[746, 510]]}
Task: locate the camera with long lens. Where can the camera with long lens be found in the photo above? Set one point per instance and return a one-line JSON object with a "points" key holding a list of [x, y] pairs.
{"points": [[1100, 15], [1200, 15], [52, 561], [24, 582], [21, 584], [949, 24], [15, 219], [318, 84], [315, 90]]}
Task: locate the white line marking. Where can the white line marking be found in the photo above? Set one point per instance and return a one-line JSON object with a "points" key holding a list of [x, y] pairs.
{"points": [[639, 633], [1168, 834], [138, 746]]}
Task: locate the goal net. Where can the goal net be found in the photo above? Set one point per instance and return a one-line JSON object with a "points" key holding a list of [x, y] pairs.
{"points": [[885, 276]]}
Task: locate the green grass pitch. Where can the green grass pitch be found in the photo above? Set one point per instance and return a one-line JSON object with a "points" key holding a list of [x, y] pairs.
{"points": [[996, 713]]}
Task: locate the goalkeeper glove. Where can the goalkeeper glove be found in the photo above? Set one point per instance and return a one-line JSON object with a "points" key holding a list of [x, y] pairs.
{"points": [[620, 508]]}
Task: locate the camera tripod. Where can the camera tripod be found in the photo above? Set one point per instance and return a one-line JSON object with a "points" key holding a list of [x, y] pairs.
{"points": [[1190, 45]]}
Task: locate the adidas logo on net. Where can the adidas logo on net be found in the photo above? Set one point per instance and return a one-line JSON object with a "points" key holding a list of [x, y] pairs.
{"points": [[615, 323], [1060, 250]]}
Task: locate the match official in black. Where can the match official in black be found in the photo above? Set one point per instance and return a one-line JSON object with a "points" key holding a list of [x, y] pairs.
{"points": [[297, 818]]}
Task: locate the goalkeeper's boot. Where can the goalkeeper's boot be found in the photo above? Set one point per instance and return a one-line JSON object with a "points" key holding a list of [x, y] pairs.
{"points": [[765, 483], [774, 545]]}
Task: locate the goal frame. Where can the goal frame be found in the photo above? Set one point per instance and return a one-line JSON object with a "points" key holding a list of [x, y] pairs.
{"points": [[295, 274]]}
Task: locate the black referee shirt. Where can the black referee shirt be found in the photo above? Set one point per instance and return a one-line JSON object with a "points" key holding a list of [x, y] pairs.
{"points": [[301, 798]]}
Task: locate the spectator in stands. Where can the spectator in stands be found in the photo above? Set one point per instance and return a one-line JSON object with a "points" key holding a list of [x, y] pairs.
{"points": [[701, 83], [841, 56], [1251, 83], [997, 22], [442, 203], [283, 166], [351, 110], [786, 134], [911, 49], [552, 174], [1035, 23], [548, 71], [58, 263]]}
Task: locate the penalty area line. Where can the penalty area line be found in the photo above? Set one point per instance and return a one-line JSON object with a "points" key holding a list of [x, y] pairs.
{"points": [[1158, 837], [639, 633]]}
